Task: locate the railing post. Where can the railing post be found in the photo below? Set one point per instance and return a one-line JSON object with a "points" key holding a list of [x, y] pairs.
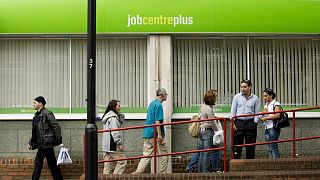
{"points": [[294, 134], [232, 138], [155, 149], [225, 145]]}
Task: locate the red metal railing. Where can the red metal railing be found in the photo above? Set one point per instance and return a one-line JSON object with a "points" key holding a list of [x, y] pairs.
{"points": [[293, 140], [224, 148]]}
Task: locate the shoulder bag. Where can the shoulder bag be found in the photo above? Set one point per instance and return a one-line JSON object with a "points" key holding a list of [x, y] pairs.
{"points": [[283, 121], [194, 127]]}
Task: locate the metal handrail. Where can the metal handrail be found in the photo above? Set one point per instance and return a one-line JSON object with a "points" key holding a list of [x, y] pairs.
{"points": [[224, 148], [293, 140]]}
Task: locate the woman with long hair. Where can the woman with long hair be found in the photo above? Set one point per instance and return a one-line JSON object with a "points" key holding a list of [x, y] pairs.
{"points": [[271, 133], [112, 143]]}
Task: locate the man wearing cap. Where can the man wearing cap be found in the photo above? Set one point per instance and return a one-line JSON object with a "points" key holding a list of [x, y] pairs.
{"points": [[46, 133], [154, 116]]}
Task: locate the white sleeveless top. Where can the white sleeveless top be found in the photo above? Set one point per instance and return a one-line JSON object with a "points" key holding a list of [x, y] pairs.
{"points": [[270, 107]]}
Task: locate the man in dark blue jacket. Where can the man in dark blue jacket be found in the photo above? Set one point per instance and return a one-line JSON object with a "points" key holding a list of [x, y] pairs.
{"points": [[46, 133]]}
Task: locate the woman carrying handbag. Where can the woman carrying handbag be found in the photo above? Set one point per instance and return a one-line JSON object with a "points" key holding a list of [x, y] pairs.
{"points": [[271, 133]]}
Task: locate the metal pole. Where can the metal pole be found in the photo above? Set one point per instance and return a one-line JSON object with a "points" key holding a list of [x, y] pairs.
{"points": [[155, 149], [91, 171], [294, 134], [225, 145], [232, 138]]}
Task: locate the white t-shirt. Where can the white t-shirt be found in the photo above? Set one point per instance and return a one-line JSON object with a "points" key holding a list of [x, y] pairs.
{"points": [[270, 107]]}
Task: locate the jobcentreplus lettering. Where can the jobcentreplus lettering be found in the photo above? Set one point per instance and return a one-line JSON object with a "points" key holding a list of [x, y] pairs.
{"points": [[159, 20]]}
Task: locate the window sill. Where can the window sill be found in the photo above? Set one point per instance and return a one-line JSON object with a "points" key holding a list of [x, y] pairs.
{"points": [[133, 116]]}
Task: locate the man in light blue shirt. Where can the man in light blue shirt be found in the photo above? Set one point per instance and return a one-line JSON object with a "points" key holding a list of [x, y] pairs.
{"points": [[154, 116], [245, 127]]}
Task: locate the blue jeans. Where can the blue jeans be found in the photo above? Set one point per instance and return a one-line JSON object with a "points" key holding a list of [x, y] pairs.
{"points": [[204, 161], [194, 160], [273, 135]]}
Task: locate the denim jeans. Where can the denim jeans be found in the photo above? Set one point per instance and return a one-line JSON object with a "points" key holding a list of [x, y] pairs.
{"points": [[194, 160], [273, 135], [204, 161]]}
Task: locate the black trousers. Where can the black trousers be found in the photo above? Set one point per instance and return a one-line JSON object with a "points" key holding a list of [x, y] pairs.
{"points": [[246, 132], [47, 153]]}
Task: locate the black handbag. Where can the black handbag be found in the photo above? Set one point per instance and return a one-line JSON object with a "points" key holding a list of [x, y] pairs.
{"points": [[283, 121]]}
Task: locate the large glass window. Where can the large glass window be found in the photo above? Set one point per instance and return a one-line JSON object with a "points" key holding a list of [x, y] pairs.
{"points": [[121, 68], [33, 67], [203, 64], [289, 66], [57, 70]]}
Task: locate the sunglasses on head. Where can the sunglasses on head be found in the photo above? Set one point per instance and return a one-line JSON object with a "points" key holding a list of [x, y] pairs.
{"points": [[269, 89]]}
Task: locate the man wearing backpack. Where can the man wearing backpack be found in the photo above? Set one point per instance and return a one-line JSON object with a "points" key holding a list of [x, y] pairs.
{"points": [[46, 133]]}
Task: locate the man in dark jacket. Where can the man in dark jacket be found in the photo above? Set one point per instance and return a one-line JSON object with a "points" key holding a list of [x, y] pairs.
{"points": [[46, 133]]}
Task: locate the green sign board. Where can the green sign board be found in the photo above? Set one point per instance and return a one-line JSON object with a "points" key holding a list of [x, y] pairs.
{"points": [[166, 16]]}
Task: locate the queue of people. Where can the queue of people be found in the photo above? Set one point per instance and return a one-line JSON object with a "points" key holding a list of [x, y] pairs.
{"points": [[245, 128]]}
